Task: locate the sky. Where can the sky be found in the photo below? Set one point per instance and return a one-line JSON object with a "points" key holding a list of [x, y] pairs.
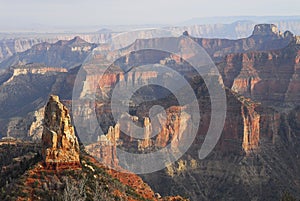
{"points": [[118, 12]]}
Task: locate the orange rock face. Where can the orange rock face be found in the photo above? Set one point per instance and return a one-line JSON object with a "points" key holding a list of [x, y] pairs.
{"points": [[251, 121], [60, 145]]}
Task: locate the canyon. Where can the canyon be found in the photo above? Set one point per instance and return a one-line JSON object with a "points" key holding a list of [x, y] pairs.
{"points": [[257, 156]]}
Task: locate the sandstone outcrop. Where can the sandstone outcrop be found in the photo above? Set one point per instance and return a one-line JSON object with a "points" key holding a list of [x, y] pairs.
{"points": [[146, 142], [174, 128], [60, 148], [105, 149], [251, 124]]}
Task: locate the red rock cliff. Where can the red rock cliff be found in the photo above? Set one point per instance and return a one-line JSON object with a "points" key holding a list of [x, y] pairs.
{"points": [[268, 77]]}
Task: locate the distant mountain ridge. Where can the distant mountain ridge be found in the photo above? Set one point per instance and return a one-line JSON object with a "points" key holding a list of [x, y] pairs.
{"points": [[264, 37], [220, 27], [232, 19], [18, 42], [63, 53]]}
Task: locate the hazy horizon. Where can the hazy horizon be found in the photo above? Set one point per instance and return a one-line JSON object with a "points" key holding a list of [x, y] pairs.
{"points": [[17, 13]]}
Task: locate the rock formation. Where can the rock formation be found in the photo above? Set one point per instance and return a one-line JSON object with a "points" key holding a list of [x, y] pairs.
{"points": [[270, 77], [173, 128], [251, 124], [265, 30], [60, 148], [146, 142], [105, 149], [36, 127], [113, 133]]}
